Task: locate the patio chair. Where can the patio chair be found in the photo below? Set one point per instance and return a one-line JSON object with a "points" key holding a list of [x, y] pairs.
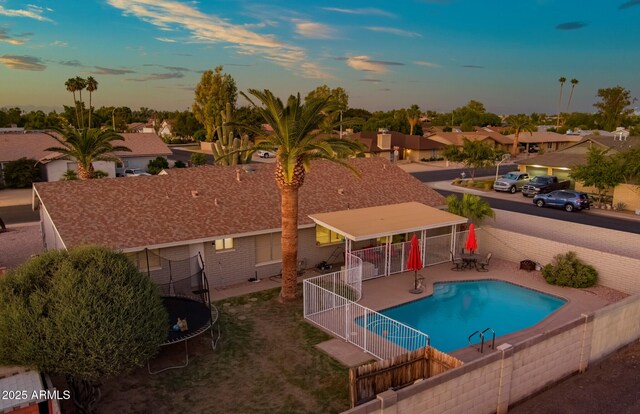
{"points": [[481, 265], [458, 262]]}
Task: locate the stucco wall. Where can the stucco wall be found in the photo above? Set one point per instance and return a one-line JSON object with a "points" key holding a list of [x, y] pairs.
{"points": [[615, 325], [54, 170], [628, 194]]}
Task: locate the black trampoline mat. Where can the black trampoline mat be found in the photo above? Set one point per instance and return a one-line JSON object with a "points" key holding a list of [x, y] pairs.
{"points": [[197, 314]]}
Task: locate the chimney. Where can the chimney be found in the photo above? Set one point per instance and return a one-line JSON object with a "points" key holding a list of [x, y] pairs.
{"points": [[194, 193], [238, 174], [341, 191]]}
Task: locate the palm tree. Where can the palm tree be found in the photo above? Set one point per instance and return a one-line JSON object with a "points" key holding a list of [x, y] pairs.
{"points": [[81, 83], [296, 142], [562, 80], [470, 206], [72, 86], [519, 123], [92, 85], [574, 82], [87, 145]]}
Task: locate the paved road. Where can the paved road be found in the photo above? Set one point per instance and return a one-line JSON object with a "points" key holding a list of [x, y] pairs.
{"points": [[180, 154], [450, 174], [18, 214]]}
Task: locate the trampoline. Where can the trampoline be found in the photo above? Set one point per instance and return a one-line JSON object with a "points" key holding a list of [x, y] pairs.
{"points": [[187, 298]]}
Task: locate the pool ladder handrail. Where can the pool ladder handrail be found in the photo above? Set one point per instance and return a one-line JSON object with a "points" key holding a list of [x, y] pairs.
{"points": [[481, 334]]}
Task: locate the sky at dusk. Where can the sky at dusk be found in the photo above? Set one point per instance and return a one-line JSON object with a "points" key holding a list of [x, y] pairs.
{"points": [[438, 54]]}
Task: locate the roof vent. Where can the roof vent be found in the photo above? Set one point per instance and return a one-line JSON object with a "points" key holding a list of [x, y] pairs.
{"points": [[215, 201], [194, 193], [238, 174], [341, 191]]}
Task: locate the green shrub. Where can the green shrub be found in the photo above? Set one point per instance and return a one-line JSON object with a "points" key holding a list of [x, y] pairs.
{"points": [[198, 158], [567, 270], [488, 185], [179, 164], [157, 165], [100, 174], [21, 173], [70, 175]]}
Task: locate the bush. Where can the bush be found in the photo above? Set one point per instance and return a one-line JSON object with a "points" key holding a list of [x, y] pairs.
{"points": [[21, 173], [100, 174], [70, 175], [86, 313], [179, 164], [200, 135], [198, 158], [157, 165], [488, 185], [567, 270]]}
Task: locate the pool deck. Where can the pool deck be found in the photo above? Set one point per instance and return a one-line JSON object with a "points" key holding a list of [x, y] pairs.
{"points": [[393, 290]]}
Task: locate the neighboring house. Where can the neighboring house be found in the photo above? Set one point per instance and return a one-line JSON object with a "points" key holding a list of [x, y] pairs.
{"points": [[491, 137], [409, 147], [559, 163], [137, 127], [144, 147], [545, 140], [166, 128], [230, 215]]}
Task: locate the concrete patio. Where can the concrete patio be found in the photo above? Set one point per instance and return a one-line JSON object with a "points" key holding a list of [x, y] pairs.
{"points": [[385, 292]]}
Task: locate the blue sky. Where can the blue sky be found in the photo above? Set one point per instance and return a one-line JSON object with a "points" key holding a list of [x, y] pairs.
{"points": [[438, 54]]}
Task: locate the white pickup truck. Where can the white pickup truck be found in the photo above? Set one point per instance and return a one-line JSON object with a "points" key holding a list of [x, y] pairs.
{"points": [[130, 172], [511, 182]]}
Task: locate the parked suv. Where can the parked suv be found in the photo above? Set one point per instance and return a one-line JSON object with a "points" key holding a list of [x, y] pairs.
{"points": [[569, 200], [511, 182]]}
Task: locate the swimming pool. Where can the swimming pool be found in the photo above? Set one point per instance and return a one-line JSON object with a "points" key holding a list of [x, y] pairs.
{"points": [[457, 309]]}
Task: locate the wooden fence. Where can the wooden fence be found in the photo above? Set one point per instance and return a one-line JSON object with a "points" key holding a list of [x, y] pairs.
{"points": [[368, 380]]}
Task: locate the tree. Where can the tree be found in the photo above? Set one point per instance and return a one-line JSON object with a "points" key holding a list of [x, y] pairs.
{"points": [[599, 171], [81, 83], [629, 164], [612, 107], [72, 86], [185, 124], [562, 80], [338, 101], [470, 206], [86, 313], [86, 146], [413, 117], [92, 86], [520, 123], [20, 173], [295, 137], [213, 93], [198, 159], [574, 82], [477, 154]]}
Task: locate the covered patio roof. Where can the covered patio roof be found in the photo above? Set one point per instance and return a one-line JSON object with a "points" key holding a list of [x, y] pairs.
{"points": [[372, 222]]}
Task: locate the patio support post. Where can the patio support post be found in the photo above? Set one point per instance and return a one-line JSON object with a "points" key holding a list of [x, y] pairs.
{"points": [[387, 254], [347, 253], [423, 247], [453, 240]]}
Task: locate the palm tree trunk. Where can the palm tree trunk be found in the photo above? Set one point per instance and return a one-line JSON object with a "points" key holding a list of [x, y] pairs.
{"points": [[85, 173], [75, 106], [514, 150], [559, 107], [570, 96], [81, 112], [89, 109], [289, 211]]}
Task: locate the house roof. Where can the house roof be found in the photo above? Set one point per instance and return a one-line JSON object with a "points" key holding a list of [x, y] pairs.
{"points": [[577, 153], [208, 203], [33, 145], [142, 145], [545, 136], [412, 142], [14, 146], [372, 222], [457, 138]]}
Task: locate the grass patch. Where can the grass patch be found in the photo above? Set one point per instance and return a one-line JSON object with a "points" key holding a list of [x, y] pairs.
{"points": [[266, 362]]}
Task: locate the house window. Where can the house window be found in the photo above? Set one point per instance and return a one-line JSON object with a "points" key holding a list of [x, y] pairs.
{"points": [[224, 244], [325, 236], [268, 248], [140, 260]]}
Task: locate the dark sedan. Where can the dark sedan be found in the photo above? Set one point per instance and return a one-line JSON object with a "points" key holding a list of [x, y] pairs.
{"points": [[569, 200]]}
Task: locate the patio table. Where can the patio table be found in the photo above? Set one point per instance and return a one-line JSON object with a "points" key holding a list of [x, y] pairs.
{"points": [[469, 259]]}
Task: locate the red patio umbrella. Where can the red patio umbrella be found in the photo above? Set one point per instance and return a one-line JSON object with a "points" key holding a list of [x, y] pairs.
{"points": [[472, 242], [415, 261]]}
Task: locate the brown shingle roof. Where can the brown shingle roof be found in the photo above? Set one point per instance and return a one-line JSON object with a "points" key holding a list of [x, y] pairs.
{"points": [[208, 202], [32, 145], [457, 138], [142, 145], [413, 142]]}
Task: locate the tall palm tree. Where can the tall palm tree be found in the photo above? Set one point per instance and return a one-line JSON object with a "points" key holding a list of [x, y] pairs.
{"points": [[520, 123], [81, 83], [470, 206], [72, 86], [87, 145], [92, 85], [574, 82], [562, 80], [296, 142]]}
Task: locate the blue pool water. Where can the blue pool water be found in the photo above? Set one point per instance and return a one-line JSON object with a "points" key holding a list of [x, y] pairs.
{"points": [[455, 310]]}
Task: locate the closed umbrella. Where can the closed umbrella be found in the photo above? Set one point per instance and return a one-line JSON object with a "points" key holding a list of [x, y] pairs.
{"points": [[415, 262], [472, 242]]}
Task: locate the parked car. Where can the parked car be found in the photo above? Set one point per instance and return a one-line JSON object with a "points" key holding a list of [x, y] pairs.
{"points": [[544, 184], [511, 182], [266, 154], [569, 200], [134, 172]]}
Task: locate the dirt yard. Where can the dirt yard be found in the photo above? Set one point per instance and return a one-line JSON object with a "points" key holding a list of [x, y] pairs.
{"points": [[605, 388]]}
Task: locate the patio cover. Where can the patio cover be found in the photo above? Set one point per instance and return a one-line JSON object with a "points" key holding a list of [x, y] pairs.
{"points": [[373, 222]]}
